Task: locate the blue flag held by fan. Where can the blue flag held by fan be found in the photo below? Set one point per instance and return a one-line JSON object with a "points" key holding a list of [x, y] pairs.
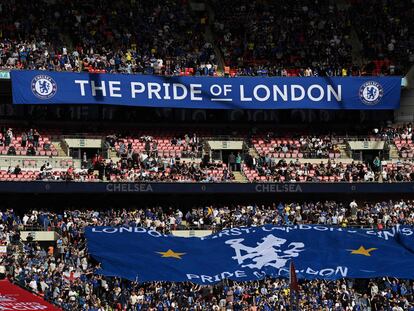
{"points": [[254, 253]]}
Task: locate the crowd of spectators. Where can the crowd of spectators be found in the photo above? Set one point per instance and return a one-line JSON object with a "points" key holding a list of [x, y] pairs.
{"points": [[267, 38], [64, 274], [25, 142], [94, 36], [154, 159], [267, 169], [302, 147], [300, 38], [401, 135], [384, 31]]}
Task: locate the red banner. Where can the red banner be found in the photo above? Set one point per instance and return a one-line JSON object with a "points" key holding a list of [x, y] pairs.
{"points": [[14, 298]]}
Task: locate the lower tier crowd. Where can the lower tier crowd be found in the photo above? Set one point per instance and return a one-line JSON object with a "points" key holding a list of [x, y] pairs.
{"points": [[63, 273]]}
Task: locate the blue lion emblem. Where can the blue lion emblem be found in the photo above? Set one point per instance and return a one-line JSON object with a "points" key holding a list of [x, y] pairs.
{"points": [[371, 93], [44, 87]]}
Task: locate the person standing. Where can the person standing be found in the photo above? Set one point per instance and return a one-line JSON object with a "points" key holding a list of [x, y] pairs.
{"points": [[232, 161], [238, 161]]}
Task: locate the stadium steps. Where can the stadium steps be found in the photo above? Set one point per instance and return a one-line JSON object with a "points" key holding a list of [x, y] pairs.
{"points": [[59, 149], [393, 152], [209, 37], [239, 177], [342, 148], [357, 47], [353, 40], [253, 152], [112, 155]]}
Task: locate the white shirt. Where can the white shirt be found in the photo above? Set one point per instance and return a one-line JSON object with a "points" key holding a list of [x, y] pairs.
{"points": [[33, 285]]}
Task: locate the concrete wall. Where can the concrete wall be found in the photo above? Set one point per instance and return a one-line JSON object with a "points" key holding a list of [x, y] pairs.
{"points": [[56, 162], [41, 236], [83, 143], [366, 145], [223, 145], [406, 111]]}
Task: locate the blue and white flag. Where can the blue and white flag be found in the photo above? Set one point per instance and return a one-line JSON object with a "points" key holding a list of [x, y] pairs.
{"points": [[245, 254], [52, 88]]}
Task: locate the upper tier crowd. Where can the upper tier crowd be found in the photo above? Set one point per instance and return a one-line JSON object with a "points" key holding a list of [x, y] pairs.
{"points": [[178, 157], [127, 37], [63, 273], [297, 38]]}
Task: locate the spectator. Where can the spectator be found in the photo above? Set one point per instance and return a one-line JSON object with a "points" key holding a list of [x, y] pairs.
{"points": [[24, 139], [17, 170]]}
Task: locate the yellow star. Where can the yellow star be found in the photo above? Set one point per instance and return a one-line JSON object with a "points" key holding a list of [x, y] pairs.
{"points": [[362, 251], [171, 254]]}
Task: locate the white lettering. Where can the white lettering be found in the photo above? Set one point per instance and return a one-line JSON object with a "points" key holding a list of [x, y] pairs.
{"points": [[226, 89], [154, 233], [319, 228], [239, 274], [225, 275], [388, 234], [326, 272], [154, 88], [213, 88], [260, 274], [110, 230], [311, 271], [82, 85], [167, 90], [175, 91], [113, 88], [95, 88], [194, 91], [337, 95], [276, 91], [192, 276], [127, 229], [256, 92], [235, 231], [206, 278], [242, 97], [135, 90], [321, 92], [342, 270], [295, 87]]}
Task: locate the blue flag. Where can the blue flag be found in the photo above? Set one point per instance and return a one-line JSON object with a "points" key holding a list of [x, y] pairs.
{"points": [[245, 254], [56, 88]]}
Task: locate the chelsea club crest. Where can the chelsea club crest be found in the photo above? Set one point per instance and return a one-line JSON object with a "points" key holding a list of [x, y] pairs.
{"points": [[44, 87], [371, 93]]}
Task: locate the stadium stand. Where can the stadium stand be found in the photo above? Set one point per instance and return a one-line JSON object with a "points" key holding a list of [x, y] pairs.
{"points": [[297, 38], [101, 40], [384, 33], [265, 155], [62, 274], [253, 38], [177, 156]]}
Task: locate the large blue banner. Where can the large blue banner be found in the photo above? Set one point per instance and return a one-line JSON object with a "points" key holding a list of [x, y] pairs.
{"points": [[245, 254], [42, 87]]}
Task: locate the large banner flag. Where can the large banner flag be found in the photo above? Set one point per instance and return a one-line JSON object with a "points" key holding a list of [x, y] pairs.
{"points": [[363, 93], [13, 297], [245, 254]]}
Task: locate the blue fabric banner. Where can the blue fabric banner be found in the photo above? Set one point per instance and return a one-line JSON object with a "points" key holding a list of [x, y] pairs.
{"points": [[363, 93], [245, 254]]}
